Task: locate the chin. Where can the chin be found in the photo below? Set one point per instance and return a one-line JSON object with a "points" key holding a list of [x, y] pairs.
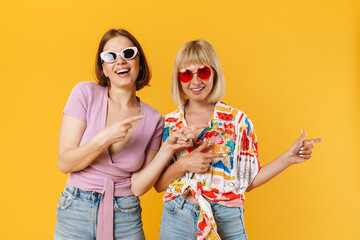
{"points": [[198, 99], [124, 84]]}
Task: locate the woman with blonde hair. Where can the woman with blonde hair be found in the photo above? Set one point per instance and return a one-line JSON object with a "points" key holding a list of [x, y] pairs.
{"points": [[205, 183]]}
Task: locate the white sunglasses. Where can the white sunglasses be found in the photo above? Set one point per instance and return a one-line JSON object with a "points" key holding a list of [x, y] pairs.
{"points": [[111, 56]]}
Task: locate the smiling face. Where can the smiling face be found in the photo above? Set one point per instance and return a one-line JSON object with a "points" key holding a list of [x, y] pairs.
{"points": [[121, 73], [197, 89]]}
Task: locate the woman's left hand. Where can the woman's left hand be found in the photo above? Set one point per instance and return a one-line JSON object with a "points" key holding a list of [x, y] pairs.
{"points": [[301, 151]]}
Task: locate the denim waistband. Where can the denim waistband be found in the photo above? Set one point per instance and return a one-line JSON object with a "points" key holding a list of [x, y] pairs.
{"points": [[90, 195], [106, 214]]}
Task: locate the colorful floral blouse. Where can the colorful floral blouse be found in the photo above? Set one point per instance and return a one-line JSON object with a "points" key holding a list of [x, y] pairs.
{"points": [[231, 132]]}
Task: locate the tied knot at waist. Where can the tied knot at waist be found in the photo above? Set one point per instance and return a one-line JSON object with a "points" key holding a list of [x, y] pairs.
{"points": [[206, 225], [108, 186], [106, 212]]}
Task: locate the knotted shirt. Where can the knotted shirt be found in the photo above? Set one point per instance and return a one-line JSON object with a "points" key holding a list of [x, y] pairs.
{"points": [[231, 132]]}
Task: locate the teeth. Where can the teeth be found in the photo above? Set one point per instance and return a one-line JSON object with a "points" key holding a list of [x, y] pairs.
{"points": [[197, 89], [122, 71]]}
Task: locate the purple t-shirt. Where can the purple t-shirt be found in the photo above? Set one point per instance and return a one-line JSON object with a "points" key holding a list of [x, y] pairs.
{"points": [[88, 103], [108, 174]]}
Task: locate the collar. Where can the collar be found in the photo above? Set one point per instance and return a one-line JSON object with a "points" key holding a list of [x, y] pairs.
{"points": [[222, 112]]}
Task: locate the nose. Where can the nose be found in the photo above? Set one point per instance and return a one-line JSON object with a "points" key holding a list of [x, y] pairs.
{"points": [[195, 79], [120, 60]]}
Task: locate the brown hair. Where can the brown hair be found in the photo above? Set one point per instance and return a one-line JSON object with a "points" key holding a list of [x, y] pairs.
{"points": [[144, 74]]}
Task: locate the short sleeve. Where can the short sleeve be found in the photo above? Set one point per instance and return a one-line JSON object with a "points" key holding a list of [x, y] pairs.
{"points": [[156, 138], [77, 103], [248, 154]]}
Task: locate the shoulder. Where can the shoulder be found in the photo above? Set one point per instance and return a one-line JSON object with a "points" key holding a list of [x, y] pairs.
{"points": [[229, 113], [86, 85], [87, 88], [173, 116], [151, 111]]}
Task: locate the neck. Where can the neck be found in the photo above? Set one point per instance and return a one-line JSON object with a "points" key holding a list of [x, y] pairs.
{"points": [[123, 98], [203, 106]]}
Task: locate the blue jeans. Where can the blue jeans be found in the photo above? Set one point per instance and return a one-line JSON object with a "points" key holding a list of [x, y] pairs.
{"points": [[179, 218], [77, 215]]}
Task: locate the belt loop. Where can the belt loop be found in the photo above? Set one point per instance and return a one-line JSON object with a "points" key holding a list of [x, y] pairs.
{"points": [[182, 202], [76, 191]]}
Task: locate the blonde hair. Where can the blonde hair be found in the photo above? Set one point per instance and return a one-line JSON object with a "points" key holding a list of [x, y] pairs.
{"points": [[197, 51]]}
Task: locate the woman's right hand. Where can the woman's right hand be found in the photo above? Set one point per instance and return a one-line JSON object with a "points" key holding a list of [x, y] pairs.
{"points": [[72, 157], [117, 132], [198, 161]]}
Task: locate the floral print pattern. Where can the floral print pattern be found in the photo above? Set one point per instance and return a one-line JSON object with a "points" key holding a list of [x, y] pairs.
{"points": [[231, 132]]}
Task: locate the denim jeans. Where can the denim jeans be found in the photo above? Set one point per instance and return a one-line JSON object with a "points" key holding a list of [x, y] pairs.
{"points": [[179, 218], [77, 215]]}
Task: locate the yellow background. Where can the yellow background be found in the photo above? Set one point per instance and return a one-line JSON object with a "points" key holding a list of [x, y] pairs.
{"points": [[289, 65]]}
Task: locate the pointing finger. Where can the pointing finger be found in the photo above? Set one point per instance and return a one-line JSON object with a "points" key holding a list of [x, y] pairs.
{"points": [[307, 147], [132, 119], [216, 155], [126, 126], [312, 141]]}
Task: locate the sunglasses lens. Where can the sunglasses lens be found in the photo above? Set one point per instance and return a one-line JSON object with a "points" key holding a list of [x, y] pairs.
{"points": [[204, 73], [185, 76], [109, 57], [128, 53]]}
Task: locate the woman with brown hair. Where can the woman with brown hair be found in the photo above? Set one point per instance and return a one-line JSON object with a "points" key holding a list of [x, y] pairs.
{"points": [[109, 143]]}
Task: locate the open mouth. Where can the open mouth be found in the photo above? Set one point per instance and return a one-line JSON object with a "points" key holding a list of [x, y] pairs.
{"points": [[196, 89], [122, 71]]}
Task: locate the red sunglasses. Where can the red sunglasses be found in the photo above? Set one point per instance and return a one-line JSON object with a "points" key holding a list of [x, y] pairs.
{"points": [[204, 73]]}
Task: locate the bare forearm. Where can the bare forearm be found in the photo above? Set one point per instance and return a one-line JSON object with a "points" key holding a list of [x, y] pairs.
{"points": [[76, 159], [270, 170], [175, 171], [196, 162], [143, 181], [299, 152], [72, 157]]}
